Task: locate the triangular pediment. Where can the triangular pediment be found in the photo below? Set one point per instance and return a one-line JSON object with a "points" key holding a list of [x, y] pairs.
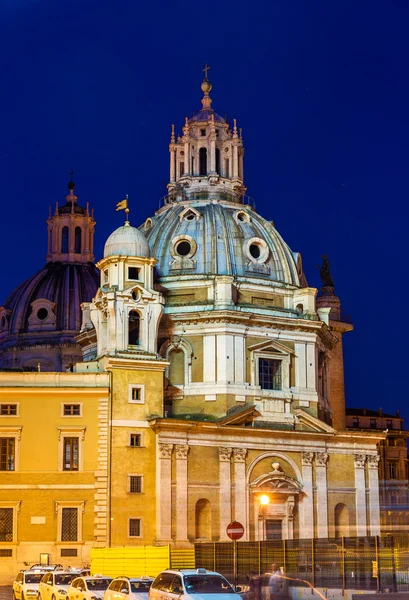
{"points": [[312, 423], [271, 346], [240, 416]]}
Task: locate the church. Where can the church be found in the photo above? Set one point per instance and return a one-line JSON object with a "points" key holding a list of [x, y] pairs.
{"points": [[188, 379]]}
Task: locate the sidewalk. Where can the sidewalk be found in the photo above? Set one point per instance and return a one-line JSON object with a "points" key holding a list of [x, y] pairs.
{"points": [[5, 592]]}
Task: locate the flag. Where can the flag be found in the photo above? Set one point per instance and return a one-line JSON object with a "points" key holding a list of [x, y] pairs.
{"points": [[122, 205]]}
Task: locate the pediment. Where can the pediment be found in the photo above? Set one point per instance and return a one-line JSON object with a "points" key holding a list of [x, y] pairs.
{"points": [[274, 480], [312, 423], [240, 417], [271, 346]]}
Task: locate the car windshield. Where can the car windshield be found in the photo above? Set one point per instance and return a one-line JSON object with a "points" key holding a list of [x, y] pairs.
{"points": [[140, 586], [33, 577], [65, 578], [98, 584], [207, 584]]}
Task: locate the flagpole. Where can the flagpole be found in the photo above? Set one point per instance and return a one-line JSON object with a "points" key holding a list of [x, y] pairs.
{"points": [[126, 211]]}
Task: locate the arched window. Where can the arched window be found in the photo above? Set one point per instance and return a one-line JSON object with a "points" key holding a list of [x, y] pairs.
{"points": [[202, 161], [64, 240], [77, 245], [133, 328], [217, 161], [203, 520], [341, 520], [177, 367]]}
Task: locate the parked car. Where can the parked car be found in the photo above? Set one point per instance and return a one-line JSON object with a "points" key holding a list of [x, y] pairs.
{"points": [[189, 584], [54, 585], [92, 588], [26, 584], [56, 567], [132, 588]]}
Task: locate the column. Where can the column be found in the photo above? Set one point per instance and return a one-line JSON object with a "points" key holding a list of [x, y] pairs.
{"points": [[172, 165], [311, 378], [187, 159], [212, 152], [209, 358], [240, 503], [360, 495], [306, 507], [301, 368], [182, 451], [373, 481], [239, 359], [225, 491], [321, 460], [164, 492], [235, 161]]}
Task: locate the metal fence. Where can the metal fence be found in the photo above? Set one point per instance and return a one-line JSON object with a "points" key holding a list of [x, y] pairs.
{"points": [[362, 563]]}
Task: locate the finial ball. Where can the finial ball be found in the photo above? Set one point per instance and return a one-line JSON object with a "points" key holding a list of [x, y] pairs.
{"points": [[71, 185], [206, 86]]}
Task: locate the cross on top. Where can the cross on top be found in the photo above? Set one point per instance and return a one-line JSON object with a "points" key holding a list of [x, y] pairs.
{"points": [[206, 69], [71, 174]]}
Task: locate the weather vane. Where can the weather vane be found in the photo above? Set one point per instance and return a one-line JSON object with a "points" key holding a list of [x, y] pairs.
{"points": [[123, 205], [206, 69]]}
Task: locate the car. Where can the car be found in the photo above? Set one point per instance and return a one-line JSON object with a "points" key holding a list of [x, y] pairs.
{"points": [[26, 584], [56, 567], [92, 588], [191, 584], [133, 588], [54, 584]]}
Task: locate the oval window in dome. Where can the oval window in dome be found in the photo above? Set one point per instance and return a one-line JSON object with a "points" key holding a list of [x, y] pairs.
{"points": [[42, 314], [183, 248], [255, 250]]}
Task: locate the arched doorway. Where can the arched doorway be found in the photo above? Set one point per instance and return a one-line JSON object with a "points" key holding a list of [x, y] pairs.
{"points": [[202, 161], [133, 328]]}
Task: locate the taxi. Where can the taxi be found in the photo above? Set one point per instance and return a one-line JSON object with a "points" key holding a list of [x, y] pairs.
{"points": [[191, 584], [54, 584], [25, 585], [88, 588], [132, 588]]}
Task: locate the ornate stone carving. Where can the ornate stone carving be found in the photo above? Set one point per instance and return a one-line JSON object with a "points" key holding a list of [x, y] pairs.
{"points": [[307, 458], [359, 460], [225, 454], [182, 450], [239, 454], [373, 461], [321, 459], [165, 450]]}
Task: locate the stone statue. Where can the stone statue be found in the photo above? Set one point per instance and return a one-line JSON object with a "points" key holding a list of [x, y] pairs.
{"points": [[325, 272]]}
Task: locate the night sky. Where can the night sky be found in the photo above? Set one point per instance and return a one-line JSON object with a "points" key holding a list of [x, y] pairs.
{"points": [[321, 92]]}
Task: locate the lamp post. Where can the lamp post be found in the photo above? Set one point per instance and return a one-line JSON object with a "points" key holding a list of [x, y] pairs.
{"points": [[264, 500]]}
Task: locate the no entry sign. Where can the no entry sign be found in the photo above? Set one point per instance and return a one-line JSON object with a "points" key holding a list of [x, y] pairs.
{"points": [[235, 530]]}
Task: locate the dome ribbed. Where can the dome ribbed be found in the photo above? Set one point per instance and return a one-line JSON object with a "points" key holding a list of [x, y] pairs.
{"points": [[127, 241]]}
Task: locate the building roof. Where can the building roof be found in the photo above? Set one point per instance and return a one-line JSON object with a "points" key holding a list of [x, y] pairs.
{"points": [[127, 241], [366, 412]]}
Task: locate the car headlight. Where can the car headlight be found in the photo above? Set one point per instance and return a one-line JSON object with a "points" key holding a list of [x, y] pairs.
{"points": [[63, 592], [31, 592]]}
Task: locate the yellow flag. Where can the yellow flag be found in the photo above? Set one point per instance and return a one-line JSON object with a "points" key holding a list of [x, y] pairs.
{"points": [[122, 205]]}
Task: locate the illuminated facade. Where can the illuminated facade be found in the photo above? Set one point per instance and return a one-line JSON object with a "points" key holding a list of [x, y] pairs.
{"points": [[223, 374]]}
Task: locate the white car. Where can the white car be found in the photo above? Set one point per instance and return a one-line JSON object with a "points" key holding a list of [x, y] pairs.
{"points": [[54, 585], [132, 588], [88, 588], [25, 585], [191, 584]]}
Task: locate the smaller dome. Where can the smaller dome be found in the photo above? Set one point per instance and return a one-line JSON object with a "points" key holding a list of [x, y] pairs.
{"points": [[127, 241]]}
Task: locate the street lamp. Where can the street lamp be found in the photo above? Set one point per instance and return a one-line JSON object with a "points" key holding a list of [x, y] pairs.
{"points": [[264, 500]]}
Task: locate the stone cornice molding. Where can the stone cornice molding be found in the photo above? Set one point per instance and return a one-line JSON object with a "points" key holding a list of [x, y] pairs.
{"points": [[181, 450], [165, 450], [225, 454], [239, 455], [373, 461], [307, 458], [359, 460]]}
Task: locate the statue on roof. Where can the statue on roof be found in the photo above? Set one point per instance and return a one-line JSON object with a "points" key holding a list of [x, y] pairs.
{"points": [[325, 273]]}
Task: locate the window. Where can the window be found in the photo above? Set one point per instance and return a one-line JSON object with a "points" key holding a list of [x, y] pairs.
{"points": [[182, 168], [135, 440], [77, 240], [203, 132], [7, 453], [389, 424], [71, 410], [355, 422], [135, 484], [226, 167], [269, 372], [202, 161], [392, 470], [136, 394], [69, 524], [372, 423], [71, 454], [6, 524], [106, 276], [9, 410], [133, 273], [133, 328], [135, 528], [391, 441], [64, 240], [217, 161], [69, 552], [183, 248]]}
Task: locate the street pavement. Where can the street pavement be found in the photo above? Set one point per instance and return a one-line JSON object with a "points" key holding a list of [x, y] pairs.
{"points": [[5, 592]]}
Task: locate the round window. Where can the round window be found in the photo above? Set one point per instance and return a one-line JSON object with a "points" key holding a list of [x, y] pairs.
{"points": [[183, 248], [42, 314], [190, 217], [255, 250], [135, 296]]}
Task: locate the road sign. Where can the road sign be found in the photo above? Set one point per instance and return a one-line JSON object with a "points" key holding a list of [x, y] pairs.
{"points": [[235, 530]]}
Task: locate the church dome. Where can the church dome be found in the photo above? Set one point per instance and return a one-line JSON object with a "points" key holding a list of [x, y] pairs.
{"points": [[127, 241], [200, 237]]}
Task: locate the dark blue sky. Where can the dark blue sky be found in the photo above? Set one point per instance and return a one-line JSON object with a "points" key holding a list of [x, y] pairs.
{"points": [[320, 89]]}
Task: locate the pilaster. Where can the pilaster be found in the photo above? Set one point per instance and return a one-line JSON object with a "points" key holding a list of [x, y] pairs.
{"points": [[321, 461], [360, 494], [164, 492], [306, 506], [225, 490], [373, 483], [240, 500], [182, 451]]}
